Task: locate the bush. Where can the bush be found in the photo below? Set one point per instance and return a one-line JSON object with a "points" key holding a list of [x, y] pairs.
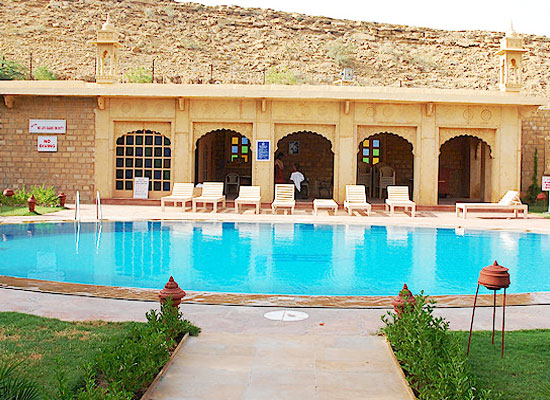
{"points": [[127, 367], [432, 359], [44, 74], [45, 196], [341, 53], [139, 75], [10, 70], [280, 76], [534, 189], [13, 386]]}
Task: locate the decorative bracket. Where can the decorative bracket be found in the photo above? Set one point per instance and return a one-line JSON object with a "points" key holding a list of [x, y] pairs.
{"points": [[429, 109], [346, 107], [264, 105], [101, 102], [8, 101], [181, 103]]}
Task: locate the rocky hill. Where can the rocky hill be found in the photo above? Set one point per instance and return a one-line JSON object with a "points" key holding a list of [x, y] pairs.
{"points": [[242, 43]]}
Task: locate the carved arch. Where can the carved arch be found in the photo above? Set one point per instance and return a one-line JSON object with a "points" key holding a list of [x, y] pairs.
{"points": [[488, 136], [326, 131], [309, 132], [405, 132], [202, 128]]}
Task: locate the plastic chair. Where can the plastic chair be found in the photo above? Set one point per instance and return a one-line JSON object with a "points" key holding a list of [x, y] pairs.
{"points": [[232, 179], [387, 178]]}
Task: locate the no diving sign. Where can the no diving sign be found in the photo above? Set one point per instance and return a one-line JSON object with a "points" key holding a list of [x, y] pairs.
{"points": [[546, 183], [47, 143]]}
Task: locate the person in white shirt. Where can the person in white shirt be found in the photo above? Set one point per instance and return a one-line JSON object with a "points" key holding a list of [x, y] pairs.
{"points": [[297, 178]]}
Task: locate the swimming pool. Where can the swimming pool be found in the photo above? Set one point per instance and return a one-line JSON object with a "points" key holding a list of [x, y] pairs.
{"points": [[278, 258]]}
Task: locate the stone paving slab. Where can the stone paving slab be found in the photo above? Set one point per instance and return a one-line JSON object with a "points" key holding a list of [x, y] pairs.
{"points": [[278, 366]]}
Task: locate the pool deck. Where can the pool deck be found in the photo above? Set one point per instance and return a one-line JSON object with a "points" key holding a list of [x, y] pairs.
{"points": [[334, 354]]}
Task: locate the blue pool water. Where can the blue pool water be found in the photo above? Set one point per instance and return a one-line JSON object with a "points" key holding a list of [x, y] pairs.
{"points": [[272, 258]]}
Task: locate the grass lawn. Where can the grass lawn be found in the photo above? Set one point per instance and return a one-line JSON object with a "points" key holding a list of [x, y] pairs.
{"points": [[523, 373], [540, 207], [40, 343], [19, 211]]}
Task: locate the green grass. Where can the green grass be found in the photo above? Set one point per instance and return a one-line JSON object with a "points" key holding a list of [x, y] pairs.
{"points": [[39, 342], [539, 207], [20, 211], [523, 373]]}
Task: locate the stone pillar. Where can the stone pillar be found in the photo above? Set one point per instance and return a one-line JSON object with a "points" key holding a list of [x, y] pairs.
{"points": [[475, 150], [426, 159], [104, 151], [263, 173], [506, 155], [345, 151], [183, 147]]}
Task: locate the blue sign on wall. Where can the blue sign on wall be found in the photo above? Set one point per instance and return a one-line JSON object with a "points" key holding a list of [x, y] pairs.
{"points": [[263, 150]]}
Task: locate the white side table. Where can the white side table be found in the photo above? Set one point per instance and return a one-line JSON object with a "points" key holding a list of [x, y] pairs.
{"points": [[324, 203]]}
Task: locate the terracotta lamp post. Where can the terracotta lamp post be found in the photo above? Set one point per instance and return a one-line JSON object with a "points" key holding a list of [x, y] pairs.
{"points": [[62, 198], [31, 201], [493, 277], [171, 289], [405, 296]]}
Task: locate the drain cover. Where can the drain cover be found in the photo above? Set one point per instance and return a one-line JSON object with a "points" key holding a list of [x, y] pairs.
{"points": [[286, 315]]}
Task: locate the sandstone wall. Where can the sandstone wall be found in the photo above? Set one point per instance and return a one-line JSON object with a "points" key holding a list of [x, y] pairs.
{"points": [[534, 130], [71, 168]]}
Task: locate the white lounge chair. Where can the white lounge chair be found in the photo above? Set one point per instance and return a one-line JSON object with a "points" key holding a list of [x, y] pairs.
{"points": [[284, 197], [212, 192], [509, 202], [356, 199], [181, 193], [248, 195], [398, 196]]}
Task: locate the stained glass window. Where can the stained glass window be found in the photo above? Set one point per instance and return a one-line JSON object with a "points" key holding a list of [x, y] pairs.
{"points": [[131, 161], [240, 149], [370, 151]]}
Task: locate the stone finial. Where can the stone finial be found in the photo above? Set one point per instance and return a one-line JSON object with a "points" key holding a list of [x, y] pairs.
{"points": [[108, 25]]}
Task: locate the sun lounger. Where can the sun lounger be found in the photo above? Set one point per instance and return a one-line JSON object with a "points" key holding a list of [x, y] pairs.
{"points": [[212, 192], [327, 204], [284, 197], [248, 195], [356, 199], [181, 193], [398, 196], [509, 202]]}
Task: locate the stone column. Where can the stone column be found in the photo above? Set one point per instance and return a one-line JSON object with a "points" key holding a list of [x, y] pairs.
{"points": [[183, 147], [426, 159], [345, 152], [506, 161], [263, 174], [104, 151]]}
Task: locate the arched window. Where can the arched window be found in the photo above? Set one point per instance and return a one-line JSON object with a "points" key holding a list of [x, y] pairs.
{"points": [[143, 153], [240, 149]]}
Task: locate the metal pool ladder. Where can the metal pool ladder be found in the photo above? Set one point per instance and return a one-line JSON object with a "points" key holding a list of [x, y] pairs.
{"points": [[98, 213], [77, 207]]}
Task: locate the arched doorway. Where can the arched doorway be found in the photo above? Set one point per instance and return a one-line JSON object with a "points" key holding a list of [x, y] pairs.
{"points": [[143, 153], [314, 156], [385, 154], [224, 155], [464, 170]]}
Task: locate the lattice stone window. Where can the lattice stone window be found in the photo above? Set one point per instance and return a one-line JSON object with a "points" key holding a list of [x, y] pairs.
{"points": [[371, 151], [240, 149], [143, 153]]}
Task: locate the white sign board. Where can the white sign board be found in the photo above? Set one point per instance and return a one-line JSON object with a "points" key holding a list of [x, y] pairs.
{"points": [[546, 184], [50, 126], [47, 143], [141, 188]]}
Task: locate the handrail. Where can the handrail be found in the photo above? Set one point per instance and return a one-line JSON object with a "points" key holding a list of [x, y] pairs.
{"points": [[77, 207], [98, 212]]}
